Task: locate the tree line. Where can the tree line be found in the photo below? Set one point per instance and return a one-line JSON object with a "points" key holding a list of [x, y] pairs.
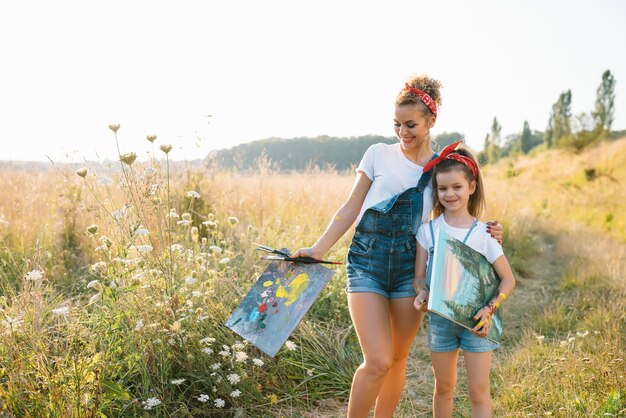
{"points": [[563, 130], [305, 153]]}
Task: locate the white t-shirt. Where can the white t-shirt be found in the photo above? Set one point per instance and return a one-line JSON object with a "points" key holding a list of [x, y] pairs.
{"points": [[391, 173], [479, 240]]}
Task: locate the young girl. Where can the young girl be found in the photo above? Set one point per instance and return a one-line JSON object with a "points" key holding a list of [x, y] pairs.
{"points": [[459, 198]]}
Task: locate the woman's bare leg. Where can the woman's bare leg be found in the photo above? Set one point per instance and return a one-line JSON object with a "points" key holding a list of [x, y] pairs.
{"points": [[370, 316], [405, 323]]}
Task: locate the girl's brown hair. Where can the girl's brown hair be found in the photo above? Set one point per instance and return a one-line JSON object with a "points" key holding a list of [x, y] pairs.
{"points": [[428, 85], [476, 202]]}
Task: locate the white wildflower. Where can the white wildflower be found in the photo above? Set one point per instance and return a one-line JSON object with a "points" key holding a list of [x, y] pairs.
{"points": [[151, 403], [582, 334], [196, 294], [207, 340], [142, 231], [207, 350], [177, 381], [203, 398], [219, 403], [144, 248], [258, 362], [310, 372], [241, 357], [94, 284], [184, 222], [190, 280], [224, 260], [291, 346], [95, 298], [215, 366], [233, 378], [235, 393], [64, 310], [238, 346], [193, 194], [34, 275], [139, 325], [540, 338], [215, 249], [176, 247]]}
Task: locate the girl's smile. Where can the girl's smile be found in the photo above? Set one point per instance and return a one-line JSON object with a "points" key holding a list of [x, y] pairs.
{"points": [[454, 191]]}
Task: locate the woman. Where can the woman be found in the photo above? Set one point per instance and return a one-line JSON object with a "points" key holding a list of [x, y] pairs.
{"points": [[390, 198]]}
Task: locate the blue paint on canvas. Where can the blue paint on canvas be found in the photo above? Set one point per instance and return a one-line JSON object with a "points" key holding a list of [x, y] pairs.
{"points": [[281, 296]]}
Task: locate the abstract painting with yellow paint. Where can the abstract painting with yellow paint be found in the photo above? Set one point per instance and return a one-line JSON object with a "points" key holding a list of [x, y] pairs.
{"points": [[281, 296]]}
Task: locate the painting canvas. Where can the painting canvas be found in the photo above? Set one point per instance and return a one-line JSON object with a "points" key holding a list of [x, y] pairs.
{"points": [[462, 282], [277, 302]]}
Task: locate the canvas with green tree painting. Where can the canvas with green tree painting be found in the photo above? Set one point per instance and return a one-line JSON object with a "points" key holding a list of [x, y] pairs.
{"points": [[281, 296], [462, 282]]}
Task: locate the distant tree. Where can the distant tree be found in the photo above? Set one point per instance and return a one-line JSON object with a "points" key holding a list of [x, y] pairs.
{"points": [[562, 112], [494, 151], [447, 138], [526, 138], [604, 112], [548, 135]]}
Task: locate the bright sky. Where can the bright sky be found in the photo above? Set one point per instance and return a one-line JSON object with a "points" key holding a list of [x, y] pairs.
{"points": [[288, 69]]}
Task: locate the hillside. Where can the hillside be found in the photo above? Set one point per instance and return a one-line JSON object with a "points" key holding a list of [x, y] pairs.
{"points": [[563, 187], [301, 153]]}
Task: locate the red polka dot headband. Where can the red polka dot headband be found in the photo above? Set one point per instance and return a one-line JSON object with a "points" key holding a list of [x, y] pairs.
{"points": [[424, 97], [447, 154]]}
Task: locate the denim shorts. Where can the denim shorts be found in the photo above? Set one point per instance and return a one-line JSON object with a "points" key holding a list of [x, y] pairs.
{"points": [[444, 335], [381, 264]]}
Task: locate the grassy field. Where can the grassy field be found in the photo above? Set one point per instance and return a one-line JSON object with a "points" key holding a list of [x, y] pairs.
{"points": [[115, 283]]}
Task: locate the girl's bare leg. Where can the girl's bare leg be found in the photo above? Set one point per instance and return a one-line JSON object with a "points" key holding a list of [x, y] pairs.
{"points": [[444, 368], [478, 366]]}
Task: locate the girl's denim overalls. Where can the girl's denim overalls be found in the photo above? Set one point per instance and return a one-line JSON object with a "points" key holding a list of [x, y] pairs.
{"points": [[381, 258]]}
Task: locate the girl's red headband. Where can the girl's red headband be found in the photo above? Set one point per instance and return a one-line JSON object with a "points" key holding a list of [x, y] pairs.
{"points": [[424, 97], [447, 154]]}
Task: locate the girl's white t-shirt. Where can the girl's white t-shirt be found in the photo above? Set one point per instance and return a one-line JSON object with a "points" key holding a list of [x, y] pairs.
{"points": [[479, 240], [391, 173]]}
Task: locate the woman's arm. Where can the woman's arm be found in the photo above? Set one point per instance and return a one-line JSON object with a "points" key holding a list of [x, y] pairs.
{"points": [[419, 282], [507, 284], [342, 220]]}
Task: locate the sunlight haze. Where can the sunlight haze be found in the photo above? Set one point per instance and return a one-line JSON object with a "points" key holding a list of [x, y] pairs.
{"points": [[288, 69]]}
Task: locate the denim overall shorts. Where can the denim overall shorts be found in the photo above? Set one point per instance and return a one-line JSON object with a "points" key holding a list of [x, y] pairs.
{"points": [[381, 257], [443, 334]]}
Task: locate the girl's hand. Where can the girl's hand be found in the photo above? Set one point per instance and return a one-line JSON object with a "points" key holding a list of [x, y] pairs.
{"points": [[496, 231], [308, 252], [421, 301], [484, 322]]}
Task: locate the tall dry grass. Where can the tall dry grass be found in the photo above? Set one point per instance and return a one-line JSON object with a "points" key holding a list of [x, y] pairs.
{"points": [[108, 330]]}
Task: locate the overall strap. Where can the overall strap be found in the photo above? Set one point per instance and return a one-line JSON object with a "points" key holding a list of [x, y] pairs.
{"points": [[470, 230], [432, 232], [425, 178]]}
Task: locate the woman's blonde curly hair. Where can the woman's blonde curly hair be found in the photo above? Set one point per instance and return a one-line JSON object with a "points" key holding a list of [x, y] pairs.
{"points": [[425, 83]]}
